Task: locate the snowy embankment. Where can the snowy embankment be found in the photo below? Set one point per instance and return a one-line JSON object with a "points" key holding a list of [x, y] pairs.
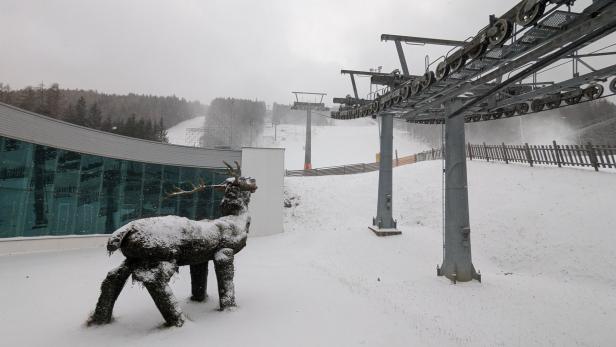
{"points": [[542, 237]]}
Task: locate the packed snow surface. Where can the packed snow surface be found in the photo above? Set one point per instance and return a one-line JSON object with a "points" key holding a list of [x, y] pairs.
{"points": [[345, 142], [543, 239]]}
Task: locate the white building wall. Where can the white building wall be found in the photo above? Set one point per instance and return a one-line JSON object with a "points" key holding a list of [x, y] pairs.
{"points": [[266, 165]]}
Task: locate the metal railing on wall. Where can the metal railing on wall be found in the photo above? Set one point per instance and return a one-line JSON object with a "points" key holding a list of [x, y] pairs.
{"points": [[365, 167], [589, 155]]}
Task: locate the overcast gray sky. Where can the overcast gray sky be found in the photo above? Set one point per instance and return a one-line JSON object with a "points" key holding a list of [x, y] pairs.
{"points": [[203, 49]]}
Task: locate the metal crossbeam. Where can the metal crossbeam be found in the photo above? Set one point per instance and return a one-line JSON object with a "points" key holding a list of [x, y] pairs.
{"points": [[364, 73], [422, 40]]}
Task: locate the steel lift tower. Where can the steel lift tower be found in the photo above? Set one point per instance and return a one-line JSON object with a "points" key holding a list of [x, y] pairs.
{"points": [[491, 75], [308, 107]]}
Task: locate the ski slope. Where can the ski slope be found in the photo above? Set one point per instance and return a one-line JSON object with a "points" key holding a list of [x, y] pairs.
{"points": [[345, 142], [542, 238], [177, 133]]}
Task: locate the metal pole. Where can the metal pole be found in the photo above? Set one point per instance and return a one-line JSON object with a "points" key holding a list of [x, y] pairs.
{"points": [[354, 86], [405, 68], [383, 224], [457, 263], [307, 147]]}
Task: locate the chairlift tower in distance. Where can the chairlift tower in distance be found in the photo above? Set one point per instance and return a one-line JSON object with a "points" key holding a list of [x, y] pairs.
{"points": [[301, 104]]}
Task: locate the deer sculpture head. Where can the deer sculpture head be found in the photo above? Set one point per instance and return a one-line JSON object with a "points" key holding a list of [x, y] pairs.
{"points": [[236, 188]]}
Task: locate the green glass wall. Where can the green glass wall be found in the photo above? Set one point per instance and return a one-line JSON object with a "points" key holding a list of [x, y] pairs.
{"points": [[49, 191]]}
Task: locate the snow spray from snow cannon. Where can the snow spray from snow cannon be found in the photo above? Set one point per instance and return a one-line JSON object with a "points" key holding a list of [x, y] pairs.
{"points": [[155, 247]]}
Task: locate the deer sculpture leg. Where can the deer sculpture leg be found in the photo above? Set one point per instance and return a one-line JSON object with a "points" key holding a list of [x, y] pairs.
{"points": [[198, 280], [223, 264], [155, 277], [110, 290]]}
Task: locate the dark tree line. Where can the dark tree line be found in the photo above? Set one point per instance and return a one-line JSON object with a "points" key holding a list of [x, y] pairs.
{"points": [[132, 115]]}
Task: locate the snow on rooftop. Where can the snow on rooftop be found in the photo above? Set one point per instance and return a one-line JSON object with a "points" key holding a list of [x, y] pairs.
{"points": [[543, 239]]}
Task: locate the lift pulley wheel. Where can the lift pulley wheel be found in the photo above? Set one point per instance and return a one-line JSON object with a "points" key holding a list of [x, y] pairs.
{"points": [[405, 92], [500, 32], [415, 87], [478, 49], [396, 100], [594, 91], [457, 64], [522, 108], [529, 13], [442, 70], [427, 80], [572, 100], [554, 102], [537, 105], [613, 86]]}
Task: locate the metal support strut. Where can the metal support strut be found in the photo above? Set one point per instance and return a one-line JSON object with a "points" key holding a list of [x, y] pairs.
{"points": [[405, 68], [457, 263], [308, 146], [383, 224], [354, 86]]}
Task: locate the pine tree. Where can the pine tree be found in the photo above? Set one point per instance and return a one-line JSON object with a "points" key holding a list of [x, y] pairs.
{"points": [[52, 100], [94, 117], [41, 105], [28, 99], [161, 132], [131, 125], [5, 93], [69, 114], [107, 125], [80, 112], [148, 130]]}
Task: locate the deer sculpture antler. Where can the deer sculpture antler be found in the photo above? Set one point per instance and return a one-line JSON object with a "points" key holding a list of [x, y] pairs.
{"points": [[244, 183], [236, 173], [201, 187]]}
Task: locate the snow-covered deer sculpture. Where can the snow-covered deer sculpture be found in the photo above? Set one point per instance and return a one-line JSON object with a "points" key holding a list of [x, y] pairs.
{"points": [[155, 247]]}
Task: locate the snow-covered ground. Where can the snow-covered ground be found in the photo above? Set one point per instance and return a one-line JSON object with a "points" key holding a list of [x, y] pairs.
{"points": [[543, 239], [346, 142]]}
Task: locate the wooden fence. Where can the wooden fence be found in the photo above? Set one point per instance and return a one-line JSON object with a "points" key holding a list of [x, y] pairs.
{"points": [[588, 155]]}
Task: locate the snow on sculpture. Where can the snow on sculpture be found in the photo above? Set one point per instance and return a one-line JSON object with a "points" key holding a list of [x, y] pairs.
{"points": [[155, 247]]}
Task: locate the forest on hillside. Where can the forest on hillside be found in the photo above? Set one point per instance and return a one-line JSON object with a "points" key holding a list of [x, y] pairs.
{"points": [[141, 116]]}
